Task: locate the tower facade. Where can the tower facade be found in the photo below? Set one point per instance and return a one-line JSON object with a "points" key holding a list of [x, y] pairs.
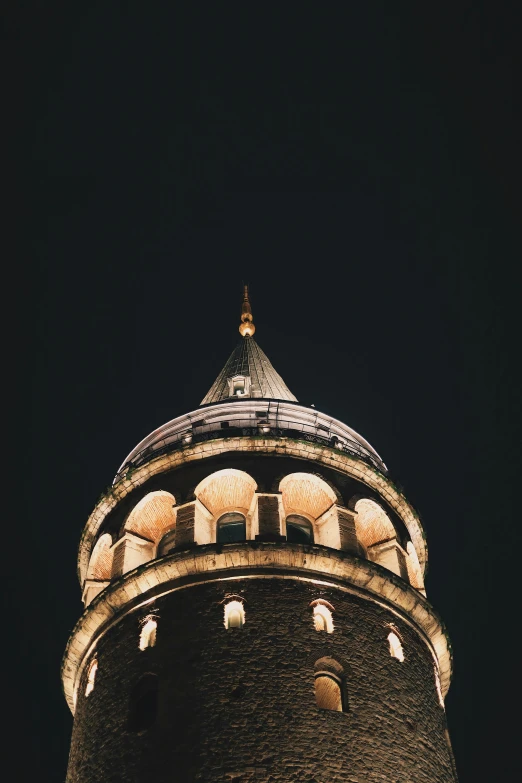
{"points": [[254, 604]]}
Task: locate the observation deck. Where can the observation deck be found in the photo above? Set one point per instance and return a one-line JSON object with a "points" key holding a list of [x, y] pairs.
{"points": [[251, 417]]}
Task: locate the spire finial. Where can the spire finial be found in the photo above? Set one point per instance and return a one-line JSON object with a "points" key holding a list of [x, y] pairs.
{"points": [[246, 327]]}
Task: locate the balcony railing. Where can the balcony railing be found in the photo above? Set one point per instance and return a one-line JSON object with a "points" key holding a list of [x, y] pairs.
{"points": [[187, 431]]}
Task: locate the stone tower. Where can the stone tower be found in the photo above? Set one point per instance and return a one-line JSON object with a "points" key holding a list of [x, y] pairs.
{"points": [[255, 606]]}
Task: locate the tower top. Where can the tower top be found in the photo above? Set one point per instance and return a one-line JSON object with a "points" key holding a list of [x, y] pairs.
{"points": [[248, 371], [246, 327]]}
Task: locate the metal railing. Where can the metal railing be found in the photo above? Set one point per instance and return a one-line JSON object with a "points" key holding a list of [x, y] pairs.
{"points": [[260, 424]]}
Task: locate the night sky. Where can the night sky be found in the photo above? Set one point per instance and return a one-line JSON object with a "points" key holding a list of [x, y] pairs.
{"points": [[360, 170]]}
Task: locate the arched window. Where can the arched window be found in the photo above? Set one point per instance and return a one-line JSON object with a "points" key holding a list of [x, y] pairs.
{"points": [[437, 685], [148, 633], [299, 530], [234, 614], [329, 685], [396, 650], [323, 619], [91, 676], [328, 692], [167, 543], [231, 527], [144, 703]]}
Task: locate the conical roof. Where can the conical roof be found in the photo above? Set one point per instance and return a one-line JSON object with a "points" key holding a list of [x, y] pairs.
{"points": [[248, 372], [248, 361]]}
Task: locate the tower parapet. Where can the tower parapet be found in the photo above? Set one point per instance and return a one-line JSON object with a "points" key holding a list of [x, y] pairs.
{"points": [[253, 565]]}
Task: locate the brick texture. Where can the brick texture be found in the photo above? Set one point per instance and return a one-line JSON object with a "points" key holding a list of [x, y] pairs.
{"points": [[239, 705]]}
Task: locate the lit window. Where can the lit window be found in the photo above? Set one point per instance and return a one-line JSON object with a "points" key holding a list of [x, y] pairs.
{"points": [[323, 620], [231, 527], [148, 634], [234, 615], [437, 685], [328, 692], [91, 677], [144, 703], [396, 650], [299, 530]]}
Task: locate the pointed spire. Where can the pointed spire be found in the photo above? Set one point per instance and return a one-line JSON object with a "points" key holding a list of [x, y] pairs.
{"points": [[248, 371], [246, 327]]}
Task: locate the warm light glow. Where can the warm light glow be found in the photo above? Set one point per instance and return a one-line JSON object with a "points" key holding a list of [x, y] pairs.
{"points": [[323, 620], [91, 676], [396, 650], [226, 490], [100, 563], [437, 685], [413, 566], [148, 633], [234, 614], [304, 493], [372, 523], [328, 692], [153, 516]]}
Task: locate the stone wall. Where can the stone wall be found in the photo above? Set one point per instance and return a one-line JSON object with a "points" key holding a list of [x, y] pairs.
{"points": [[239, 704]]}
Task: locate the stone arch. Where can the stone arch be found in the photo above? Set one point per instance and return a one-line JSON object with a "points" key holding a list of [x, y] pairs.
{"points": [[309, 496], [153, 516], [372, 523], [226, 490], [275, 484], [100, 563], [413, 566], [330, 684]]}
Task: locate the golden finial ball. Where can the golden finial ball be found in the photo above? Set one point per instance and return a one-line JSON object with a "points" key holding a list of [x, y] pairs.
{"points": [[247, 329]]}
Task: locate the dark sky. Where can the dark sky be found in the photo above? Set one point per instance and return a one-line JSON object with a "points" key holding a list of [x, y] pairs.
{"points": [[360, 169]]}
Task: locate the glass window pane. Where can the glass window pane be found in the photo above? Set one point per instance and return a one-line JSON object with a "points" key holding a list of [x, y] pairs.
{"points": [[299, 530], [231, 527]]}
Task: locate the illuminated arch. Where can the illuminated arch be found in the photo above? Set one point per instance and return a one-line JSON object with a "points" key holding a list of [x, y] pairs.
{"points": [[329, 685], [226, 490], [308, 496], [372, 523], [234, 614], [413, 566], [323, 618], [153, 516], [100, 563]]}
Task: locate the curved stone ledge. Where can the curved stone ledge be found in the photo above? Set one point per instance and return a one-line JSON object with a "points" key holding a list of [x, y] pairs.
{"points": [[251, 560], [266, 445]]}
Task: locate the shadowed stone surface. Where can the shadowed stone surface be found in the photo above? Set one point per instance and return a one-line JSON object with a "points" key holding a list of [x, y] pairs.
{"points": [[240, 704]]}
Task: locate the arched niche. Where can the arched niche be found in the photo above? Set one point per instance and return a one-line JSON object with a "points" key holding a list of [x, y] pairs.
{"points": [[100, 563], [377, 534], [226, 490], [153, 516], [308, 496], [372, 523]]}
